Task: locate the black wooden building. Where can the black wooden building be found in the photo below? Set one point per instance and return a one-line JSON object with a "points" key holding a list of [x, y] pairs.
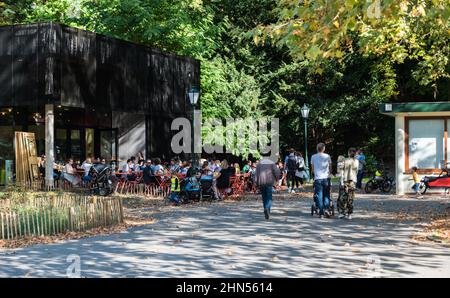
{"points": [[112, 98]]}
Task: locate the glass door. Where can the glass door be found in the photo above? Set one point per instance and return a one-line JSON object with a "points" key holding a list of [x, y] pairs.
{"points": [[106, 143], [70, 143]]}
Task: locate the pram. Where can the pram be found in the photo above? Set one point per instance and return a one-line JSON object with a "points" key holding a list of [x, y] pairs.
{"points": [[190, 189], [315, 208], [207, 190], [101, 181]]}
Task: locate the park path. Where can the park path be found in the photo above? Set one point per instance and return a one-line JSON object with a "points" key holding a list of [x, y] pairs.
{"points": [[231, 239]]}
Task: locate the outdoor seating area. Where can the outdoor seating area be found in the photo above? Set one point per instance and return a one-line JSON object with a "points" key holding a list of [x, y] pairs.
{"points": [[151, 178], [224, 139]]}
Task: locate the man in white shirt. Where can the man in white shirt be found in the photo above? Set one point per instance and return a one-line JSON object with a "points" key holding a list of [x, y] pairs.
{"points": [[321, 167]]}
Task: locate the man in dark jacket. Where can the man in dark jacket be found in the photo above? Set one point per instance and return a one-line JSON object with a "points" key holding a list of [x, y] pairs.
{"points": [[266, 175]]}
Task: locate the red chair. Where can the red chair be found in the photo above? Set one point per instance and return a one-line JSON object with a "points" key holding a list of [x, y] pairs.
{"points": [[237, 185], [133, 186]]}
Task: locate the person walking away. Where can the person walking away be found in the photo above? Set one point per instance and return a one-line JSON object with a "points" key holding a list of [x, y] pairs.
{"points": [[266, 175], [362, 164], [349, 177], [321, 167], [282, 177], [291, 167], [416, 185], [300, 174]]}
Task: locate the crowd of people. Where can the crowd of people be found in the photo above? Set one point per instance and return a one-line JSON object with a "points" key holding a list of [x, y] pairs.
{"points": [[291, 172], [294, 171]]}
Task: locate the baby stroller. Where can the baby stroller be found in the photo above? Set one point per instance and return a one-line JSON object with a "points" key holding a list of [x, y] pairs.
{"points": [[101, 182], [315, 207], [207, 189], [190, 189]]}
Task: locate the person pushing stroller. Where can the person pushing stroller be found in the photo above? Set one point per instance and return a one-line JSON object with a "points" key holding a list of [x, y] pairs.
{"points": [[321, 167]]}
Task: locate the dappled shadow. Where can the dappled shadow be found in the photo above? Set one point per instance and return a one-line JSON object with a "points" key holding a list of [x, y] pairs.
{"points": [[232, 239]]}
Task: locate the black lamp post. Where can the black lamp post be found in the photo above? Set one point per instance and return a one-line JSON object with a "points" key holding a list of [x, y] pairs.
{"points": [[305, 114], [194, 95]]}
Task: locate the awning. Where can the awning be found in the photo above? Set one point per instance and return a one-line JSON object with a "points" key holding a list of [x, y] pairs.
{"points": [[414, 107]]}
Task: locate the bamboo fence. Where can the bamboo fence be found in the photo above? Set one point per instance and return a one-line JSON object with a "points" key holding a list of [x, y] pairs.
{"points": [[52, 215], [124, 188]]}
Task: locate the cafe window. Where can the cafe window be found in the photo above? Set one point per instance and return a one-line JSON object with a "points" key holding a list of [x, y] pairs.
{"points": [[426, 143]]}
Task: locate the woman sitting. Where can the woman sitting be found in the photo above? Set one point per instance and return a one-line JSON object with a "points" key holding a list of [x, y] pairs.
{"points": [[223, 177], [158, 169], [206, 172], [70, 173]]}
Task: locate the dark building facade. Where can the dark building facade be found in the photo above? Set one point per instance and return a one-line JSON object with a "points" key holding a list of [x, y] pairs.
{"points": [[111, 98]]}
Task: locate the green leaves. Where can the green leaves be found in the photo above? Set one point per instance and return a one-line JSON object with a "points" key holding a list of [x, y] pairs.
{"points": [[391, 30]]}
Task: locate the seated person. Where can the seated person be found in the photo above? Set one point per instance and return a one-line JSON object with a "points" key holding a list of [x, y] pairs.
{"points": [[206, 172], [127, 171], [174, 165], [86, 167], [247, 167], [42, 166], [147, 173], [191, 170], [158, 169], [237, 169], [223, 178], [184, 168], [70, 174], [141, 165], [175, 188]]}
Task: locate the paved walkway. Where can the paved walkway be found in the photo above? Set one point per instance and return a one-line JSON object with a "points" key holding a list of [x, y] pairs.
{"points": [[231, 239]]}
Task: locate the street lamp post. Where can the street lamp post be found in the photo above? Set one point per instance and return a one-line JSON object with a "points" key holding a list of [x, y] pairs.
{"points": [[194, 94], [305, 115]]}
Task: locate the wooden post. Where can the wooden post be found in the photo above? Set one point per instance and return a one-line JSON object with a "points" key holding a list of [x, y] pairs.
{"points": [[28, 223], [7, 225], [3, 226], [49, 145]]}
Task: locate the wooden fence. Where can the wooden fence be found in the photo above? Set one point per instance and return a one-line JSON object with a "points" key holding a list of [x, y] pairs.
{"points": [[121, 187], [43, 216]]}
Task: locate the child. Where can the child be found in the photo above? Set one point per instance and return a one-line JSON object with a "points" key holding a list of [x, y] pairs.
{"points": [[174, 188], [340, 170], [416, 185]]}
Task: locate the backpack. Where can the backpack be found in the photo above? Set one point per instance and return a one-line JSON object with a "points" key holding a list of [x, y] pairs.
{"points": [[292, 163]]}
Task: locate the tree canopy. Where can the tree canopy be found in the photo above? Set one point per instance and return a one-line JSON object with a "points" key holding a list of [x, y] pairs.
{"points": [[267, 58]]}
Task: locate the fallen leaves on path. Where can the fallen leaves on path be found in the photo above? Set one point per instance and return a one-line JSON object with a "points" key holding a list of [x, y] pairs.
{"points": [[29, 241], [437, 231]]}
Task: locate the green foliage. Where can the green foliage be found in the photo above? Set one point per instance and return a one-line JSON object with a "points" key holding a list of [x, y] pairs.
{"points": [[391, 30], [267, 58]]}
